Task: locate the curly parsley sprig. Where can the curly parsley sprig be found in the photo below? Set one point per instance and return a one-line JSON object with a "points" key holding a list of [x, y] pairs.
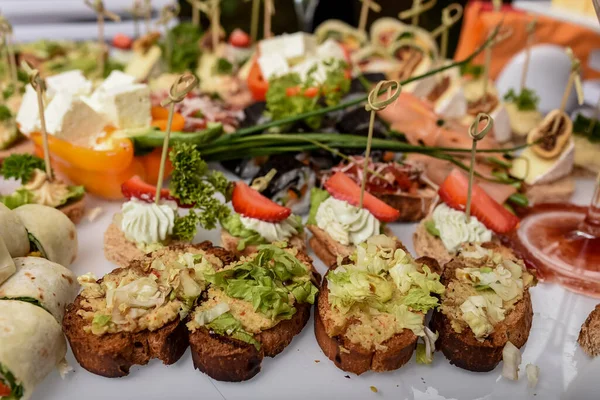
{"points": [[21, 166], [193, 183]]}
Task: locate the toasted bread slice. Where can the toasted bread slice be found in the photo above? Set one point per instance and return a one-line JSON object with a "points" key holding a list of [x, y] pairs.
{"points": [[122, 251], [463, 349], [328, 249], [226, 359], [23, 145], [589, 336], [426, 244], [112, 355], [352, 357], [412, 207], [74, 210], [559, 191], [230, 242]]}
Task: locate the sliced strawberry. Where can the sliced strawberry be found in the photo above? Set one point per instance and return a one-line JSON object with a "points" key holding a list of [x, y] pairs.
{"points": [[239, 38], [122, 41], [453, 192], [342, 187], [250, 203], [135, 187]]}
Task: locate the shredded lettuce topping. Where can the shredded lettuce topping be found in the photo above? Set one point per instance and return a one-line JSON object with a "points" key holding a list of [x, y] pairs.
{"points": [[384, 279], [7, 378], [226, 324], [317, 196]]}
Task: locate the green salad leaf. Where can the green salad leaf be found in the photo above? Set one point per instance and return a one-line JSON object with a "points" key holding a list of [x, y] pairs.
{"points": [[587, 127], [431, 228], [527, 100], [21, 166], [267, 280], [30, 300], [5, 113], [223, 67], [317, 196], [420, 300], [17, 198], [193, 183], [227, 324], [471, 69], [233, 225], [422, 354], [185, 47]]}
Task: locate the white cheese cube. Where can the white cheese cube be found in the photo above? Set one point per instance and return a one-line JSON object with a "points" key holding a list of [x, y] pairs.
{"points": [[127, 107], [272, 65], [71, 82], [502, 129], [116, 79], [304, 67], [28, 116], [71, 118], [331, 49], [294, 47]]}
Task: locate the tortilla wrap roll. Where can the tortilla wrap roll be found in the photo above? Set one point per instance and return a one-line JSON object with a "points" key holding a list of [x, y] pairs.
{"points": [[51, 231], [342, 32], [41, 282], [13, 232], [31, 346], [7, 265]]}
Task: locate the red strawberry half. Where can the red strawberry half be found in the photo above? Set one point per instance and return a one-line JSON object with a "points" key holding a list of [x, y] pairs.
{"points": [[135, 187], [250, 203], [453, 192], [342, 187]]}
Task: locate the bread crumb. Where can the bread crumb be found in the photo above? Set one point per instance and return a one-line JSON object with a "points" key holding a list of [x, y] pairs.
{"points": [[374, 389], [94, 213], [317, 361], [347, 376]]}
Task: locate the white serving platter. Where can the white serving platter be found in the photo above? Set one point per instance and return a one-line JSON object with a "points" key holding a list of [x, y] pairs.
{"points": [[303, 372]]}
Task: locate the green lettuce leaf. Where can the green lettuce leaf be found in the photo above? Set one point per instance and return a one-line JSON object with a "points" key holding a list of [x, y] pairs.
{"points": [[317, 196], [7, 378], [420, 300], [233, 225], [431, 228], [422, 354], [349, 287], [75, 193], [17, 199], [408, 320], [226, 324]]}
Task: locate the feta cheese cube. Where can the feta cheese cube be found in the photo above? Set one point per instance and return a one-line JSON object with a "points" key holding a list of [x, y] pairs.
{"points": [[71, 118], [28, 116], [294, 47], [71, 82], [272, 65], [114, 80], [127, 107], [330, 49]]}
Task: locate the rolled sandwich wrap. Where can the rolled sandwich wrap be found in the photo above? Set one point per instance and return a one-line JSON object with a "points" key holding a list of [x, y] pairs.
{"points": [[41, 282], [352, 38], [7, 265], [13, 232], [52, 232], [31, 346]]}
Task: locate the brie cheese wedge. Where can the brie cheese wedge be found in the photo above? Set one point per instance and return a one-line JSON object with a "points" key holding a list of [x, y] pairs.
{"points": [[536, 170], [587, 153]]}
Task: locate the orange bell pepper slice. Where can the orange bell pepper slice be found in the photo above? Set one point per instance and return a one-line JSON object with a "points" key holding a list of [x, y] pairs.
{"points": [[114, 160], [256, 83], [151, 164], [160, 119]]}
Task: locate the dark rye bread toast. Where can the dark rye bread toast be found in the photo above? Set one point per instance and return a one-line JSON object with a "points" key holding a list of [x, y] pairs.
{"points": [[352, 357], [112, 355], [463, 349], [226, 359]]}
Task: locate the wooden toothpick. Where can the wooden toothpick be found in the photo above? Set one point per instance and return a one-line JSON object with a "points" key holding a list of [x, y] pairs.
{"points": [[167, 13], [574, 79], [418, 8], [373, 105], [40, 87], [364, 13], [497, 5], [254, 20], [148, 12], [450, 16], [476, 134], [6, 32], [530, 38], [195, 12], [182, 86], [137, 12], [212, 9], [102, 13], [269, 11]]}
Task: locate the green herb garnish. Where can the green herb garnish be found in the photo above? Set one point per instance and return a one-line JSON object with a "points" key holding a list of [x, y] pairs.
{"points": [[8, 379], [185, 50], [431, 228], [5, 113], [223, 67], [21, 166], [527, 100], [587, 127], [405, 35], [471, 69], [194, 184]]}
